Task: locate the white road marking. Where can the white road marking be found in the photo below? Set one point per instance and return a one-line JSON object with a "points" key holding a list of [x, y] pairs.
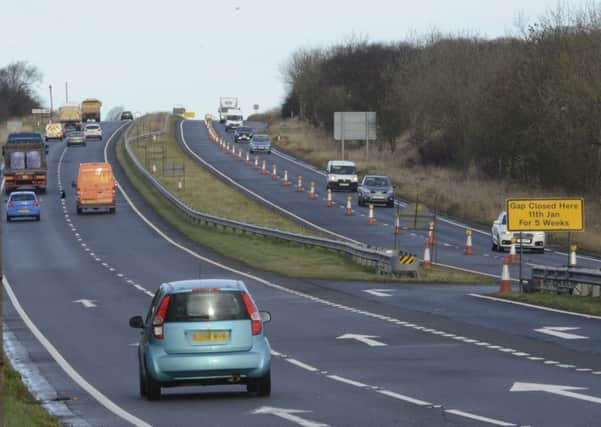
{"points": [[289, 415], [69, 370], [302, 365], [404, 398], [537, 307], [479, 418], [347, 381], [560, 390], [379, 292], [87, 303], [560, 332], [365, 339]]}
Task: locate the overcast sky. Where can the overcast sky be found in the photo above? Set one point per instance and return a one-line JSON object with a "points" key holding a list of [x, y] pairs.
{"points": [[150, 55]]}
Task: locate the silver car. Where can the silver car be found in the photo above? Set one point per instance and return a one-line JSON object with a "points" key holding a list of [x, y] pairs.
{"points": [[76, 137], [375, 189], [260, 143]]}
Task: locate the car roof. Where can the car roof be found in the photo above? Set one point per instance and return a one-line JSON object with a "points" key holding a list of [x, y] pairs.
{"points": [[375, 176], [188, 285], [342, 162], [22, 192]]}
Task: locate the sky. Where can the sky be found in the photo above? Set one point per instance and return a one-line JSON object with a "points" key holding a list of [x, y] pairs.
{"points": [[152, 55]]}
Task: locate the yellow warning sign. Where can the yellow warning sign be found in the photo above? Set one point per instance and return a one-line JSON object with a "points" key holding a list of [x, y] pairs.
{"points": [[545, 214], [189, 114]]}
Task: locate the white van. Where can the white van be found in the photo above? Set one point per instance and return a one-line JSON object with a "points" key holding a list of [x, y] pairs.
{"points": [[342, 175], [233, 119]]}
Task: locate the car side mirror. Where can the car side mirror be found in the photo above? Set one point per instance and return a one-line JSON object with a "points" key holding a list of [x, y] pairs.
{"points": [[265, 316], [73, 184], [136, 322]]}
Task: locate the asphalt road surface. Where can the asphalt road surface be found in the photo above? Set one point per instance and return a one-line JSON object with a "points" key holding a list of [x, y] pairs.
{"points": [[402, 355], [450, 234]]}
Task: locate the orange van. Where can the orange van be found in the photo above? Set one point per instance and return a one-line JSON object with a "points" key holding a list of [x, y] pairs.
{"points": [[95, 187]]}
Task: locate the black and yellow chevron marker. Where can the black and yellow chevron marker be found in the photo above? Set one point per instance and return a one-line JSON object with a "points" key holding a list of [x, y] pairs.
{"points": [[407, 259]]}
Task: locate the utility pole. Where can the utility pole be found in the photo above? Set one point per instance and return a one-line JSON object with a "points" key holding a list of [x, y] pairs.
{"points": [[66, 92]]}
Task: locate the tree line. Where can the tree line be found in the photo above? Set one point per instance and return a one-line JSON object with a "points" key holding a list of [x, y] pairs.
{"points": [[525, 108], [17, 93]]}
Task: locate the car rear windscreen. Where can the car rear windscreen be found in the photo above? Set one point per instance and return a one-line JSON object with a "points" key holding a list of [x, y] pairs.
{"points": [[22, 197], [206, 306]]}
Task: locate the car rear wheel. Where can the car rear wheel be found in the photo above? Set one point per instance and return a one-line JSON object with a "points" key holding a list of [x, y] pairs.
{"points": [[112, 210], [261, 386], [142, 381], [153, 389], [8, 219], [37, 218], [79, 210]]}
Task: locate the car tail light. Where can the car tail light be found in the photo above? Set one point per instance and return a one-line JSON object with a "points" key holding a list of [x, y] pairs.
{"points": [[255, 317], [159, 318], [36, 203], [10, 204]]}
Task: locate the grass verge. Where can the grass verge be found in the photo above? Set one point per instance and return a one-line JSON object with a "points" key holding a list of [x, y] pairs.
{"points": [[573, 303], [20, 409], [201, 190], [285, 258]]}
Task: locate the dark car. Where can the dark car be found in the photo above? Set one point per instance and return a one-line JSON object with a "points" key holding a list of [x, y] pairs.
{"points": [[127, 115], [243, 134], [375, 189]]}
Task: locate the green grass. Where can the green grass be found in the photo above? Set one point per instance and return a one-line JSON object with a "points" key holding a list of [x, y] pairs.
{"points": [[19, 408], [202, 191], [573, 303], [285, 258]]}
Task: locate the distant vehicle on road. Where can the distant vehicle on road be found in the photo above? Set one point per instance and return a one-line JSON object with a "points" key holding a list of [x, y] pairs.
{"points": [[342, 175], [226, 104], [233, 119], [375, 189], [243, 134], [95, 187], [70, 115], [260, 143], [76, 137], [126, 115], [22, 204], [203, 332], [501, 238], [92, 130], [90, 110], [54, 131], [25, 161]]}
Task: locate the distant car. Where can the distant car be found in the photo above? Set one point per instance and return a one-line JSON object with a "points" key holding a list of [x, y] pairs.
{"points": [[501, 238], [22, 204], [243, 134], [375, 189], [260, 143], [203, 332], [342, 175], [92, 130], [127, 115], [76, 137]]}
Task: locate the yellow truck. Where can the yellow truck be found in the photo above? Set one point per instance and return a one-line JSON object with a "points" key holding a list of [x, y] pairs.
{"points": [[70, 116], [90, 110]]}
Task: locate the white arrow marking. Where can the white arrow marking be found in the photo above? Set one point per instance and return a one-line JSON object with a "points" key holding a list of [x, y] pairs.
{"points": [[379, 292], [87, 303], [561, 390], [558, 331], [365, 339], [288, 414]]}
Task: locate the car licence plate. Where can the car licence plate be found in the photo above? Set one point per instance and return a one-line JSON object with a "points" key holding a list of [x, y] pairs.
{"points": [[210, 336], [343, 184], [23, 210]]}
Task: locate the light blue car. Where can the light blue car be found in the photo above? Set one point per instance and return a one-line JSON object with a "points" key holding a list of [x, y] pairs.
{"points": [[203, 332], [23, 204]]}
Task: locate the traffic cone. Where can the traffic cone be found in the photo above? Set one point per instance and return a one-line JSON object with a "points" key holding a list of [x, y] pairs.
{"points": [[312, 194], [247, 158], [349, 207], [431, 234], [505, 283], [179, 185], [299, 184], [285, 180], [233, 152], [240, 154], [513, 258], [256, 167], [397, 224], [572, 262], [469, 250], [427, 262], [274, 174], [371, 219], [154, 169], [263, 168], [329, 203]]}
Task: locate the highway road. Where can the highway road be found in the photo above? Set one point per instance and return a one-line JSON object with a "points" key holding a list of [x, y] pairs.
{"points": [[450, 234], [396, 355]]}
